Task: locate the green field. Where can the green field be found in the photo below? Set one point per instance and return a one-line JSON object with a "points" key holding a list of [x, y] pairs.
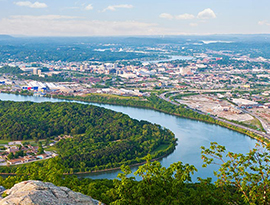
{"points": [[4, 141], [33, 143], [117, 96], [161, 147], [53, 148]]}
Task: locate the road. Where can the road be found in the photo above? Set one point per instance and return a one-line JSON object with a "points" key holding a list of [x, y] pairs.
{"points": [[265, 135], [162, 96], [265, 126]]}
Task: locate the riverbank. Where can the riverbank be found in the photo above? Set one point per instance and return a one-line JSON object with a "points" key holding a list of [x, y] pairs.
{"points": [[190, 134], [180, 111], [127, 101], [98, 98], [96, 171], [24, 93], [116, 168], [169, 150]]}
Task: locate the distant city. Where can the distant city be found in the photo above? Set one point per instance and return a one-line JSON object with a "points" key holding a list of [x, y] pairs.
{"points": [[227, 78]]}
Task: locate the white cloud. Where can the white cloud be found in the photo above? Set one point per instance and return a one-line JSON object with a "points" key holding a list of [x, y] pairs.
{"points": [[166, 16], [207, 14], [43, 17], [57, 25], [114, 7], [36, 5], [264, 23], [89, 7], [193, 24], [185, 16], [23, 3]]}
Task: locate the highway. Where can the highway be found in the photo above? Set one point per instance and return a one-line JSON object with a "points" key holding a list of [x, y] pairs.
{"points": [[265, 135], [265, 126]]}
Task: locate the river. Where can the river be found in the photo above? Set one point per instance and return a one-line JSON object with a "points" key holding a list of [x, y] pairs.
{"points": [[171, 58], [191, 135]]}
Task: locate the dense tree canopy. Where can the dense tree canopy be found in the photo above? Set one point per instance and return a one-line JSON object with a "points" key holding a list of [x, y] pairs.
{"points": [[101, 138], [248, 173], [10, 70]]}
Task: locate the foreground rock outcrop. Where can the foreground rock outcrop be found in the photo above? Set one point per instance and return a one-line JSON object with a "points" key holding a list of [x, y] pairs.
{"points": [[44, 193]]}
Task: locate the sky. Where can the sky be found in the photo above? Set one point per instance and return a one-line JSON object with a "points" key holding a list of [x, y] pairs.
{"points": [[133, 17]]}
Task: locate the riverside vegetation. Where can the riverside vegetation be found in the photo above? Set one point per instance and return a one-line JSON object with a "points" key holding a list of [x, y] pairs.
{"points": [[154, 102]]}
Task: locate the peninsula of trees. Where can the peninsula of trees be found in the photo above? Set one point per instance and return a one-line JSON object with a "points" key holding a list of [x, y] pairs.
{"points": [[101, 138]]}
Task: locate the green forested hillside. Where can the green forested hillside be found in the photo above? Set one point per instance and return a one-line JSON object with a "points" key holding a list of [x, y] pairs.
{"points": [[101, 138], [10, 70]]}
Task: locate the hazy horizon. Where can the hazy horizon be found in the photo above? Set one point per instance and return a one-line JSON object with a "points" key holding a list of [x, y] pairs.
{"points": [[139, 36]]}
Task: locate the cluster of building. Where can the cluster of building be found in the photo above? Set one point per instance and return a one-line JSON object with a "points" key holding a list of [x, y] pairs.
{"points": [[43, 87], [202, 71], [122, 91], [30, 153]]}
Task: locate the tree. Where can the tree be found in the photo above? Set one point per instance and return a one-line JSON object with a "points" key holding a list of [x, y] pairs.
{"points": [[10, 155], [47, 142], [40, 148], [159, 185], [249, 174]]}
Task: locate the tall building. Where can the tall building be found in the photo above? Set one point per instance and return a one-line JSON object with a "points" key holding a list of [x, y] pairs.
{"points": [[81, 67], [35, 71]]}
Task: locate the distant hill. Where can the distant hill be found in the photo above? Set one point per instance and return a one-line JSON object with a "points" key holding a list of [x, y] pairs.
{"points": [[5, 37]]}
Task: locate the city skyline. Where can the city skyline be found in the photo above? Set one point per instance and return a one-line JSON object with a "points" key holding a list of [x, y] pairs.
{"points": [[127, 18]]}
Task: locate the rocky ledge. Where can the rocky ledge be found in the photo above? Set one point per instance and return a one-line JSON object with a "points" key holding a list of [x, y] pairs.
{"points": [[44, 193]]}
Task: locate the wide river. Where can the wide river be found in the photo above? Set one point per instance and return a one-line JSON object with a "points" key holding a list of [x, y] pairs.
{"points": [[191, 135]]}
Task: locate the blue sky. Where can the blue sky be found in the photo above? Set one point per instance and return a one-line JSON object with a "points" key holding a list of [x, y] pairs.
{"points": [[133, 17]]}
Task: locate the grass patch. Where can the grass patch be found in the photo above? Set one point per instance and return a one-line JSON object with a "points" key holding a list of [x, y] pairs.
{"points": [[22, 141], [51, 148], [254, 123], [4, 141], [117, 96], [161, 147], [184, 95]]}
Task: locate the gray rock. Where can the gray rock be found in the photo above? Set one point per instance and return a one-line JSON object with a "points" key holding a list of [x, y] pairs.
{"points": [[44, 193], [2, 189]]}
